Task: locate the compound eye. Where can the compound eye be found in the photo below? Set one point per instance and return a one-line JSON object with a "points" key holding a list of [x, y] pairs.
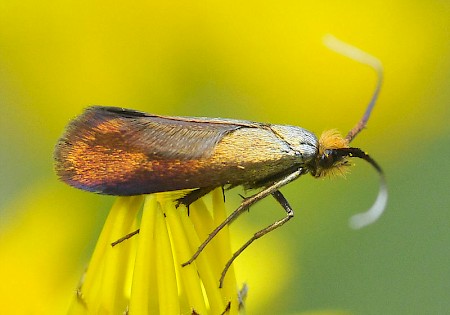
{"points": [[329, 152], [327, 159]]}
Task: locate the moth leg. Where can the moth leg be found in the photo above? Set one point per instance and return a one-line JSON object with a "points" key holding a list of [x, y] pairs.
{"points": [[223, 193], [243, 206], [289, 215], [193, 195], [124, 238]]}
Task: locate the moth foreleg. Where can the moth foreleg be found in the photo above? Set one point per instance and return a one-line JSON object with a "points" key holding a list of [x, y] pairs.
{"points": [[243, 206]]}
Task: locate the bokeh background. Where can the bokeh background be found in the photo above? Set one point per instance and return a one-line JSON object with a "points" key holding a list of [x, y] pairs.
{"points": [[257, 60]]}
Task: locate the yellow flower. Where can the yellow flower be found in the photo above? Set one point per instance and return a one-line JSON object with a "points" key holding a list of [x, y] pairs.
{"points": [[143, 274]]}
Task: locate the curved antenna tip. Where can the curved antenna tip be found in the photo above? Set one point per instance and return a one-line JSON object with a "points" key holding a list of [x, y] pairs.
{"points": [[335, 44], [361, 220]]}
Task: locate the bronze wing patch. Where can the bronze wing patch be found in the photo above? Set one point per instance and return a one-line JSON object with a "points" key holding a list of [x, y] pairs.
{"points": [[158, 137]]}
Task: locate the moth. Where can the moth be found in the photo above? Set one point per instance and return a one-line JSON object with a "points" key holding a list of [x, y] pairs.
{"points": [[123, 152]]}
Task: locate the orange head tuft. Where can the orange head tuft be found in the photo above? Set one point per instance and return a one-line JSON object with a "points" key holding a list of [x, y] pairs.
{"points": [[327, 161]]}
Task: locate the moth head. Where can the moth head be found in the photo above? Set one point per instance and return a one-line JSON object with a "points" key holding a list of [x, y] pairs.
{"points": [[334, 153], [329, 160]]}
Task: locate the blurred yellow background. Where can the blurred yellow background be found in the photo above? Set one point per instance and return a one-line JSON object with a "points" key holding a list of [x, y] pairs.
{"points": [[261, 61]]}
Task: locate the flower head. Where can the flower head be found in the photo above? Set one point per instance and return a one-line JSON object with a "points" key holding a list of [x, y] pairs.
{"points": [[142, 274]]}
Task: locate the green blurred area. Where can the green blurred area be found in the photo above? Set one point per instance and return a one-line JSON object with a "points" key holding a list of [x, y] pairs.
{"points": [[258, 61]]}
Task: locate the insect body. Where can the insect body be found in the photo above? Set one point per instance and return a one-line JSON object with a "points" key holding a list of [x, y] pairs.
{"points": [[124, 152]]}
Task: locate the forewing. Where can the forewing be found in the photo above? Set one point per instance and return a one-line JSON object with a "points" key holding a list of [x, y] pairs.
{"points": [[106, 146]]}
